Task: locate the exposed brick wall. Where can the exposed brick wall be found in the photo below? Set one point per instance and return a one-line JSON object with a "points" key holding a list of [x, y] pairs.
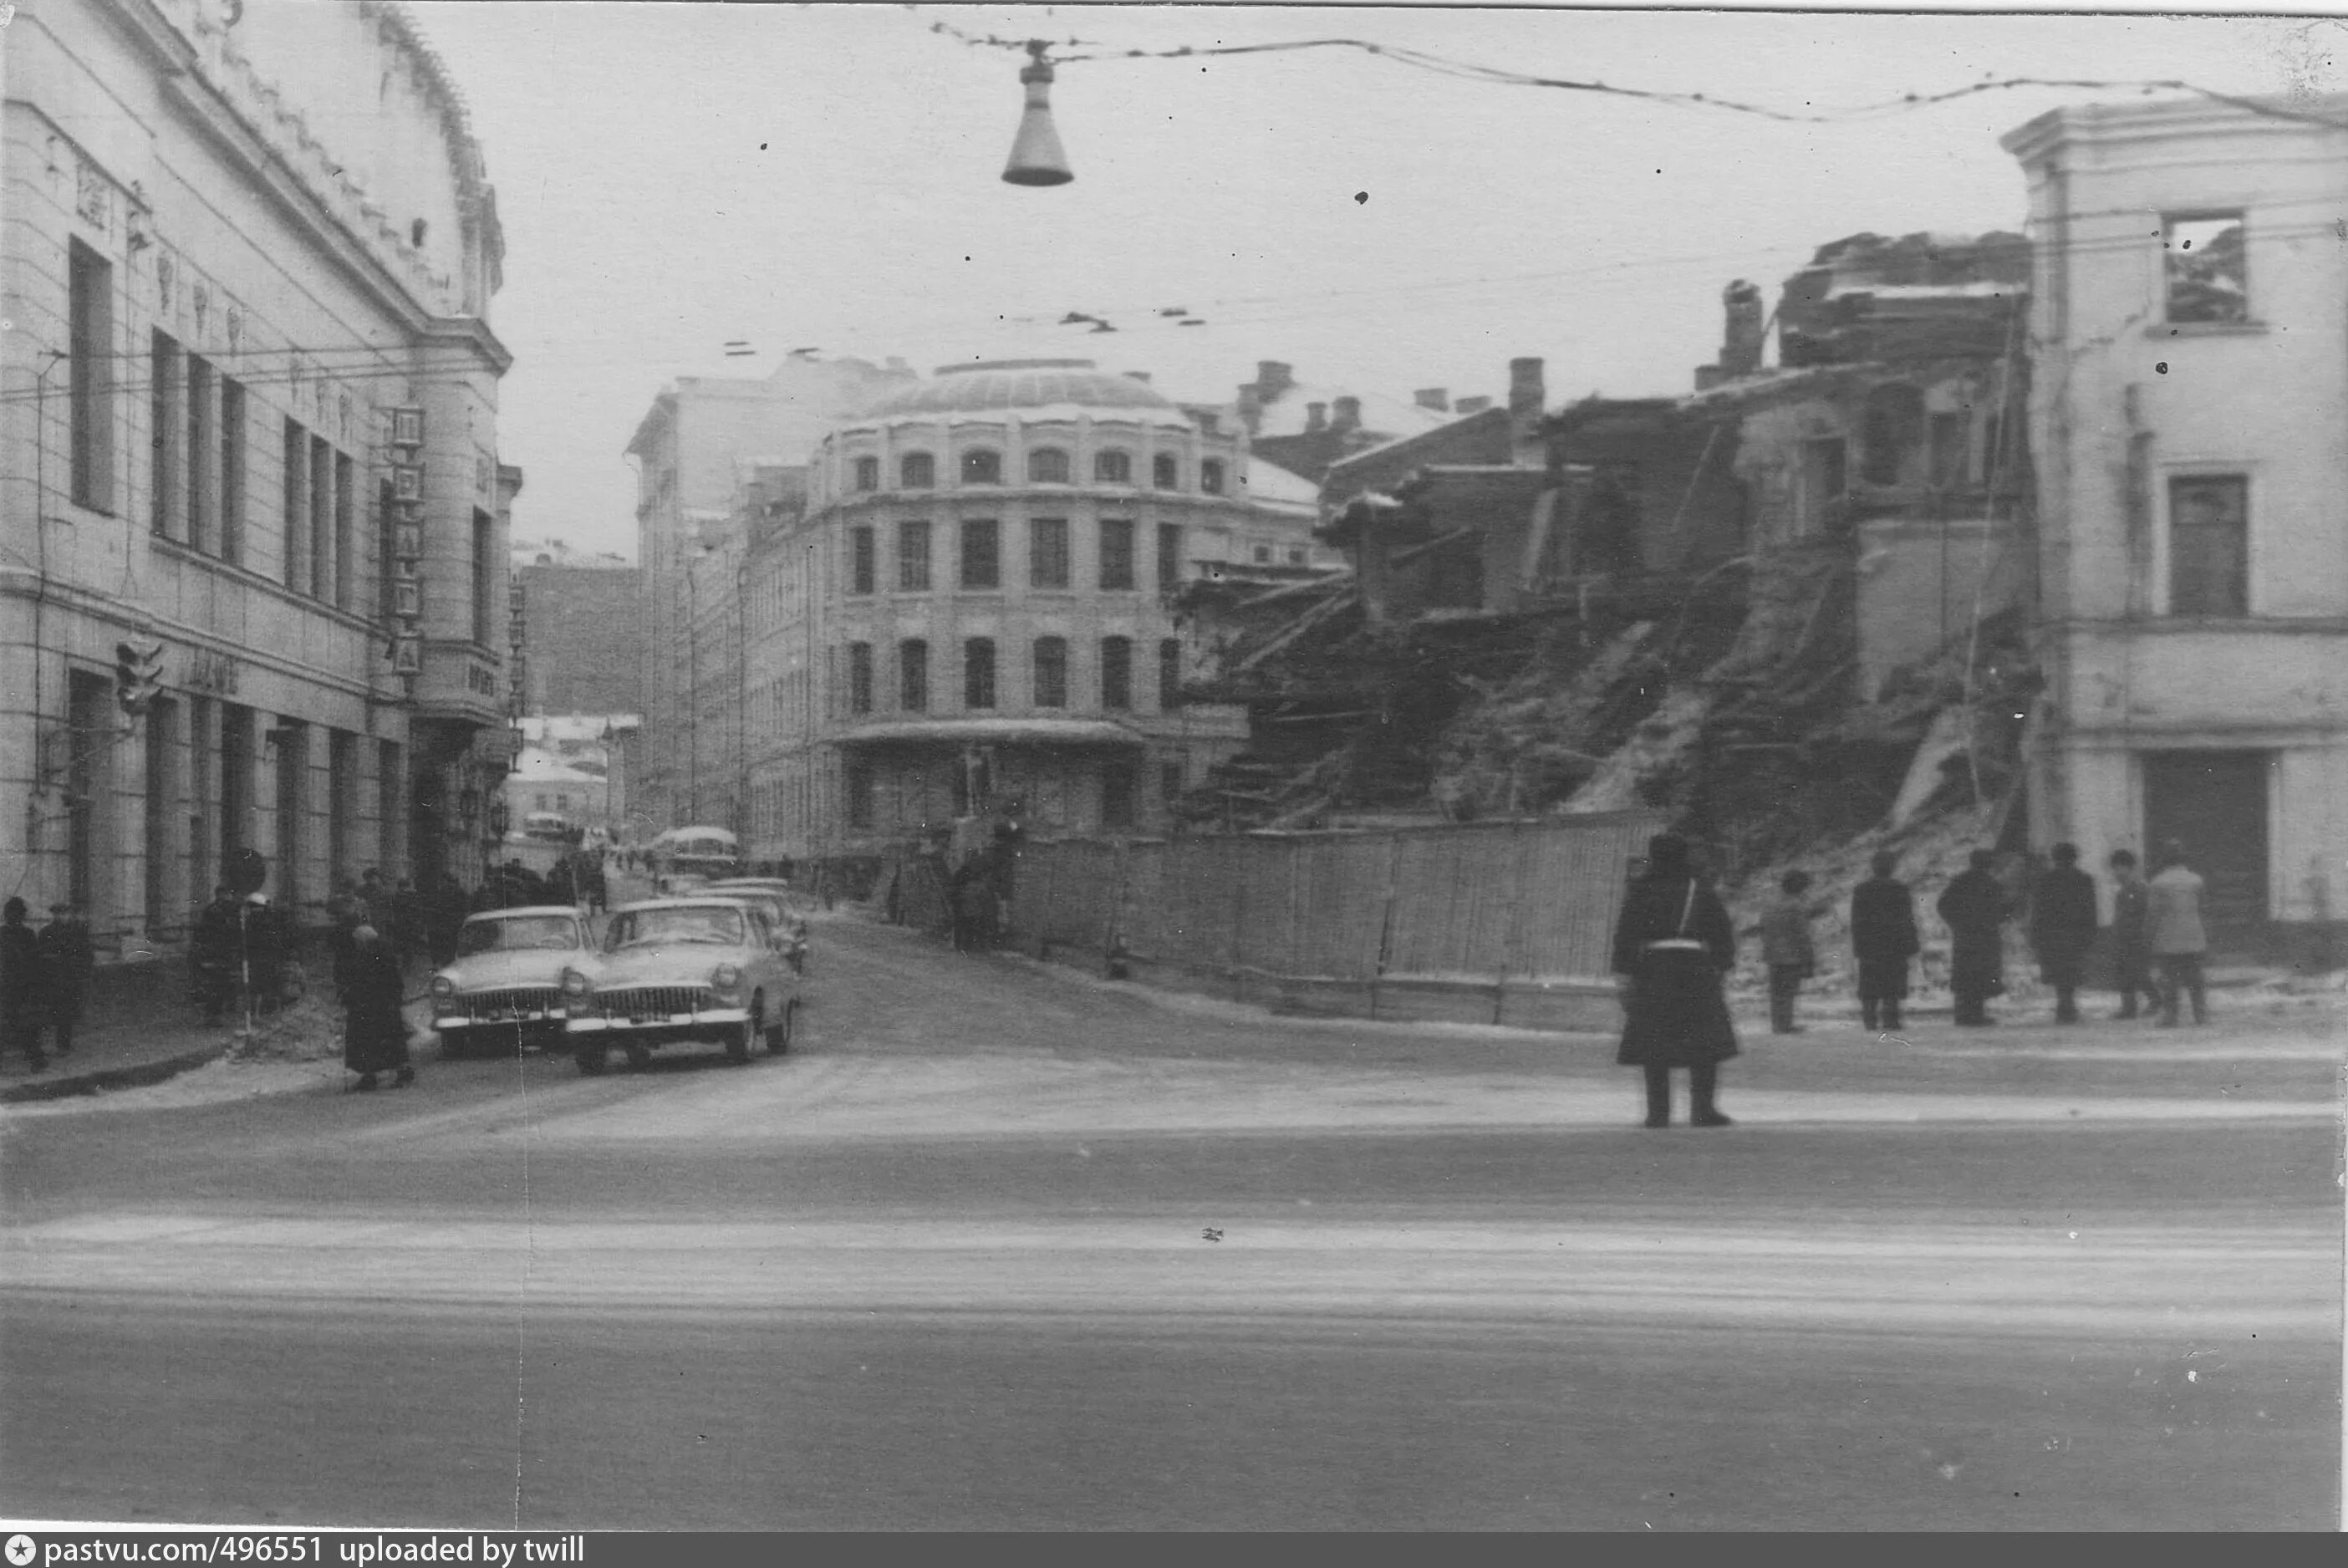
{"points": [[582, 638]]}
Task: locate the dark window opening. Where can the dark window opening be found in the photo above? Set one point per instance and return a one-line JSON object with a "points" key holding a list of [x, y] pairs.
{"points": [[485, 577], [202, 454], [864, 565], [2208, 275], [913, 556], [1210, 475], [913, 676], [978, 673], [91, 344], [867, 473], [232, 470], [917, 471], [1170, 673], [1163, 471], [1116, 795], [981, 553], [297, 507], [1116, 673], [2210, 545], [167, 424], [1113, 467], [1894, 430], [1115, 554], [1047, 466], [1170, 557], [1051, 672], [1951, 444], [1048, 553], [981, 466], [861, 792], [859, 677]]}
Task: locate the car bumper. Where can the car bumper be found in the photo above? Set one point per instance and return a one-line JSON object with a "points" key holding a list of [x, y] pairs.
{"points": [[521, 1020], [671, 1026]]}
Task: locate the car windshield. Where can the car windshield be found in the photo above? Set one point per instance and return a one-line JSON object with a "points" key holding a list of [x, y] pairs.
{"points": [[522, 934], [701, 923]]}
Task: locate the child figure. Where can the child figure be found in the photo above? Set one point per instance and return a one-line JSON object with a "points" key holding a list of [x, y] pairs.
{"points": [[1785, 949]]}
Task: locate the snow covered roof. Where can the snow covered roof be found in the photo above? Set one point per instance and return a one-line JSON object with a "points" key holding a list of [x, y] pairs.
{"points": [[1288, 415], [1268, 484]]}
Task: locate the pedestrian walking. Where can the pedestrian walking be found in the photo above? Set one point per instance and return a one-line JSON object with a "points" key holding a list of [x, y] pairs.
{"points": [[1882, 940], [1673, 947], [265, 952], [68, 963], [375, 1035], [1786, 948], [217, 953], [2062, 927], [24, 995], [2178, 941], [2131, 936], [1973, 906], [345, 912], [407, 934]]}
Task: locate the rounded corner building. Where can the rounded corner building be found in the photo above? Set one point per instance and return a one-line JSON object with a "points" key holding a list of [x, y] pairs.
{"points": [[973, 615]]}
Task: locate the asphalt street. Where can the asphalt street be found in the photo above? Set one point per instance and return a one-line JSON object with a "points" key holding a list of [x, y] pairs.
{"points": [[999, 1248]]}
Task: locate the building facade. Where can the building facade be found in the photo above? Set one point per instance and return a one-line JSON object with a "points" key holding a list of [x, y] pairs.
{"points": [[692, 449], [2190, 310], [579, 646], [253, 584], [973, 615]]}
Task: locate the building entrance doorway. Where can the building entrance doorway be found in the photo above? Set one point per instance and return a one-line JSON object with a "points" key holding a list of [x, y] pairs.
{"points": [[2215, 804]]}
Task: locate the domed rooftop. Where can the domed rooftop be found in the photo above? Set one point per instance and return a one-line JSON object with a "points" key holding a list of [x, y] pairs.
{"points": [[1001, 385]]}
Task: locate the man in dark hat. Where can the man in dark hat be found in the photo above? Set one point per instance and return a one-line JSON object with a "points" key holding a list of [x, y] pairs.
{"points": [[68, 959], [2062, 927], [1973, 906], [217, 953], [1673, 946], [1882, 939], [23, 994]]}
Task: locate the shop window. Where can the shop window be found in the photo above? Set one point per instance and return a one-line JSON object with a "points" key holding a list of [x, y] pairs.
{"points": [[1047, 466], [2207, 274], [1048, 553], [1051, 672], [1117, 553], [2210, 545], [982, 466], [917, 471], [981, 553], [1113, 467]]}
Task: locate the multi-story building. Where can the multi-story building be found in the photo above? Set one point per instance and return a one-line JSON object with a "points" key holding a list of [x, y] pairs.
{"points": [[580, 611], [2189, 312], [248, 345], [691, 448], [973, 614]]}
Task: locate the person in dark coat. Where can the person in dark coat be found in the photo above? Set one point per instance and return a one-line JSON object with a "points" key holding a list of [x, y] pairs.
{"points": [[266, 951], [24, 994], [1674, 945], [69, 961], [2062, 927], [1973, 906], [409, 933], [1787, 949], [1882, 940], [375, 1035], [217, 953], [2131, 938], [449, 906], [345, 912]]}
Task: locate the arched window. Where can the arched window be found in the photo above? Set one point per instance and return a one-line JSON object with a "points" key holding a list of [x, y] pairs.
{"points": [[917, 471], [1162, 471], [1047, 466], [1113, 467], [1051, 672], [982, 466], [978, 673], [1210, 475], [867, 473]]}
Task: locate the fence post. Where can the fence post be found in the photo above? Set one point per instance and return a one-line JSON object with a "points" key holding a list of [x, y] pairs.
{"points": [[1512, 936], [1385, 917]]}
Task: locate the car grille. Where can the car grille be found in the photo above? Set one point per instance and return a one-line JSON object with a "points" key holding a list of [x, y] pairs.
{"points": [[653, 1001], [489, 1007]]}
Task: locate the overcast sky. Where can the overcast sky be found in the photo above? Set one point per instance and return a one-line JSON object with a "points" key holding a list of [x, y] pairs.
{"points": [[672, 177]]}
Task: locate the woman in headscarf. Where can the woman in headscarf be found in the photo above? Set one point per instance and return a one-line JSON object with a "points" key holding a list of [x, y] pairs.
{"points": [[374, 1037], [1673, 946]]}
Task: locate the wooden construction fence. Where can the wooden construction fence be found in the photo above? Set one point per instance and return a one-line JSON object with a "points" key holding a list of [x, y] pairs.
{"points": [[1507, 922]]}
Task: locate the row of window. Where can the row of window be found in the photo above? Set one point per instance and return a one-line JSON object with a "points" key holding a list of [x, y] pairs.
{"points": [[979, 564], [1049, 667], [1045, 465], [1119, 792]]}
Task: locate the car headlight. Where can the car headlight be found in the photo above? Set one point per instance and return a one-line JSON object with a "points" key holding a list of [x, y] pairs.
{"points": [[726, 976], [443, 988]]}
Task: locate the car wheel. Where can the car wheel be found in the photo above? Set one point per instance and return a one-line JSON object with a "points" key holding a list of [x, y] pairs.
{"points": [[592, 1060], [779, 1039], [640, 1059]]}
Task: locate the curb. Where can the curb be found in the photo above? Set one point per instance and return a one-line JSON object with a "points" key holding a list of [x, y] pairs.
{"points": [[132, 1076]]}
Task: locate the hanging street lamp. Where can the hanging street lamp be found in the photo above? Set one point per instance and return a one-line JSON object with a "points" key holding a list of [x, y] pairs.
{"points": [[1036, 155]]}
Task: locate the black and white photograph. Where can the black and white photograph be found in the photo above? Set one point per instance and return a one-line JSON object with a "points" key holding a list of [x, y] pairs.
{"points": [[771, 768]]}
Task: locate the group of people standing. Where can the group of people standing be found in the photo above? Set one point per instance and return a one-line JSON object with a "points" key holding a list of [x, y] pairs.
{"points": [[45, 978], [1674, 944]]}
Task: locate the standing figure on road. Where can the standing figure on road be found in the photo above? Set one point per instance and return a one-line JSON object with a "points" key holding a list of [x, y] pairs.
{"points": [[2131, 936], [23, 997], [1882, 940], [1673, 947], [217, 953], [345, 912], [1786, 948], [1973, 905], [2178, 941], [448, 908], [69, 961], [2062, 927], [374, 1037]]}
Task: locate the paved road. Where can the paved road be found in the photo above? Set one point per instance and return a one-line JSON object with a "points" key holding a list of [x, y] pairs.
{"points": [[1001, 1249]]}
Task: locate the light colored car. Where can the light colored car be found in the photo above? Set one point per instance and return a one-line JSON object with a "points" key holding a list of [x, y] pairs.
{"points": [[674, 969], [504, 989], [773, 897]]}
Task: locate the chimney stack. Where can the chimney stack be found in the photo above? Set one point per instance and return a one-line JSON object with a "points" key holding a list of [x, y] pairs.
{"points": [[1525, 391], [1250, 405], [1740, 348], [1436, 398], [1272, 378], [1316, 417], [1345, 416]]}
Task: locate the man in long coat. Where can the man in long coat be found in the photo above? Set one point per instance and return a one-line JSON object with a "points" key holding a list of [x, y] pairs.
{"points": [[2131, 937], [1973, 906], [2062, 927], [1882, 939], [375, 1035], [217, 953], [1674, 945], [68, 960], [23, 993]]}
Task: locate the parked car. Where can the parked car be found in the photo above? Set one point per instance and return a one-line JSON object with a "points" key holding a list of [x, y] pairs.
{"points": [[772, 895], [675, 969], [504, 989]]}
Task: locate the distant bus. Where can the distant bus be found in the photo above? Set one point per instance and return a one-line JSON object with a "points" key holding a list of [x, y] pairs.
{"points": [[705, 853], [552, 826]]}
